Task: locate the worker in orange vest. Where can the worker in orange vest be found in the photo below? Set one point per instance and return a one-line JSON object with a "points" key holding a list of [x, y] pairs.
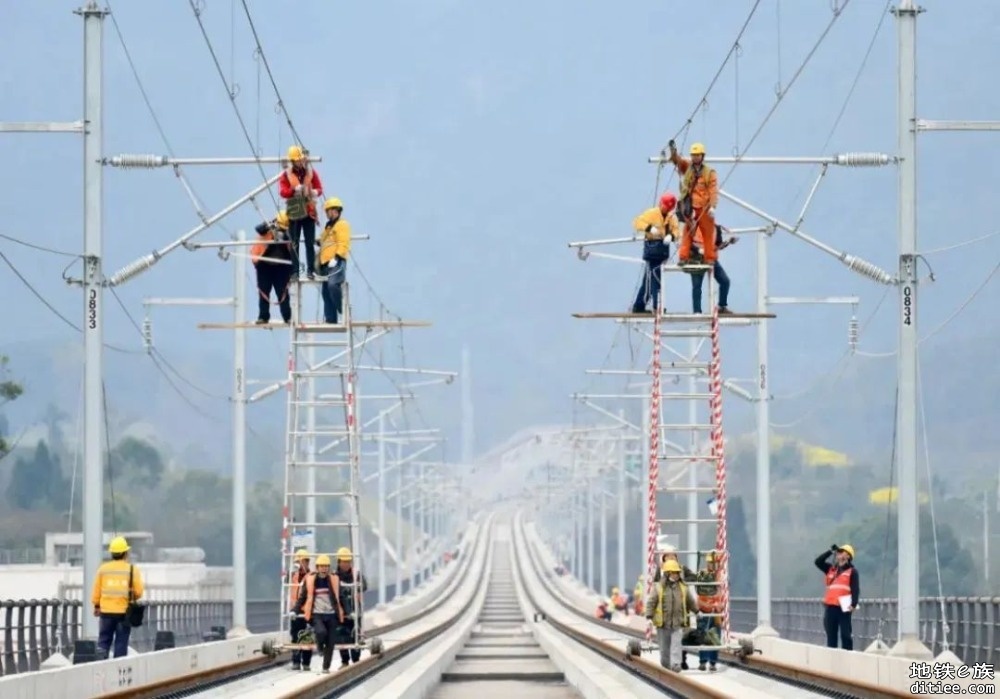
{"points": [[699, 196], [319, 603], [272, 259], [299, 185], [710, 602], [842, 593], [300, 658]]}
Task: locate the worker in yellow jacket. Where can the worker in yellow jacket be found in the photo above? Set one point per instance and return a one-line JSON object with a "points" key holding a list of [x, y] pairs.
{"points": [[668, 608], [659, 227], [334, 246], [117, 585]]}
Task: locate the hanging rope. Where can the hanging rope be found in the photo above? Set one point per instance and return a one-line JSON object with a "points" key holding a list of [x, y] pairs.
{"points": [[718, 451], [654, 463]]}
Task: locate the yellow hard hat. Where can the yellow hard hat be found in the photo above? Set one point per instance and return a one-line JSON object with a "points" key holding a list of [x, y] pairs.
{"points": [[282, 219], [614, 590], [300, 554], [322, 560], [118, 545], [671, 566], [333, 203], [344, 554], [295, 153], [848, 549], [697, 149]]}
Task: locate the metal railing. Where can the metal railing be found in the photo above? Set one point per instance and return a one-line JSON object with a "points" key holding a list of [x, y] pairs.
{"points": [[33, 630], [973, 623]]}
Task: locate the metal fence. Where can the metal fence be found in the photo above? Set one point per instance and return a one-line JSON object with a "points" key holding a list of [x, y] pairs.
{"points": [[973, 623], [33, 630]]}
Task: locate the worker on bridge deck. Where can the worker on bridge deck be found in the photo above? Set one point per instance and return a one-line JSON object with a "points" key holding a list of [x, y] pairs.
{"points": [[301, 659], [272, 260], [710, 603], [299, 184], [699, 197], [334, 246], [352, 585], [842, 593], [717, 271], [319, 604], [659, 227], [668, 607], [117, 585], [618, 601], [667, 552]]}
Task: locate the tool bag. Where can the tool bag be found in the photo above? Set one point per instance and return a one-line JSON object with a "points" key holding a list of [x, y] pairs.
{"points": [[298, 208], [134, 612]]}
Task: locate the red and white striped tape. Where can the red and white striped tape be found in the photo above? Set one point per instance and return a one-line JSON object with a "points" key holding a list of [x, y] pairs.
{"points": [[654, 464], [718, 450]]}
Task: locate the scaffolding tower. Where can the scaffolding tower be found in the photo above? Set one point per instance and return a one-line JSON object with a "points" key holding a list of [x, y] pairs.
{"points": [[322, 503], [705, 489]]}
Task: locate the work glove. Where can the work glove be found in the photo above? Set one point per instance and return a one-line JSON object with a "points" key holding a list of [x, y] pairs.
{"points": [[298, 189], [652, 230], [834, 547], [669, 238], [711, 211], [672, 146]]}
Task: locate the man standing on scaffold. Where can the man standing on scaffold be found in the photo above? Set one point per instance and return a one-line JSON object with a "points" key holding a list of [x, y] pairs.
{"points": [[659, 227]]}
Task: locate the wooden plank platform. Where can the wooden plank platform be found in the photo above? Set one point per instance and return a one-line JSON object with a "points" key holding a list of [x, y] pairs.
{"points": [[677, 317], [318, 327]]}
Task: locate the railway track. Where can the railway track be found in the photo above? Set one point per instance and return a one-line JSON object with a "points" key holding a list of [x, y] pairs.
{"points": [[267, 675], [754, 672], [502, 657]]}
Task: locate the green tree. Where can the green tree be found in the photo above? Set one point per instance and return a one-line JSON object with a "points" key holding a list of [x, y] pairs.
{"points": [[38, 482], [263, 540], [197, 511], [9, 390], [876, 542], [742, 560], [137, 463]]}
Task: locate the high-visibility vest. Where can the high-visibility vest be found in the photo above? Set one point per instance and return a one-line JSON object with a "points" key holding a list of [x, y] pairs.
{"points": [[111, 588], [689, 183], [300, 206], [296, 584], [311, 594], [838, 584], [658, 611]]}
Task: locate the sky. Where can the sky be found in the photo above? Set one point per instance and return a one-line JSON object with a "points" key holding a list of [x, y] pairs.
{"points": [[473, 141]]}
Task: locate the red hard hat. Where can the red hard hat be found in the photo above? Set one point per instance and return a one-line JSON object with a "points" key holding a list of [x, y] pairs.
{"points": [[668, 201]]}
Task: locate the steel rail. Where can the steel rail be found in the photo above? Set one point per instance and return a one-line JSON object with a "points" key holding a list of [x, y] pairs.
{"points": [[203, 680], [803, 678]]}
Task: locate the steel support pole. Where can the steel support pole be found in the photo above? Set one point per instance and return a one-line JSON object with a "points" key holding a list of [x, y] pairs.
{"points": [[93, 303], [411, 554], [622, 493], [692, 499], [311, 445], [381, 508], [909, 644], [590, 530], [604, 539], [400, 548], [641, 489], [763, 410], [240, 449]]}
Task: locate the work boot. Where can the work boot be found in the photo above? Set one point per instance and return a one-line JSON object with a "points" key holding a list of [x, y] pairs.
{"points": [[344, 664], [723, 311], [701, 666], [296, 666], [262, 321], [711, 667]]}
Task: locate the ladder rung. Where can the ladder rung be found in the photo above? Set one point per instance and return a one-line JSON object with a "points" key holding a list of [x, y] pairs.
{"points": [[323, 524], [682, 426], [318, 403], [319, 433], [687, 396], [318, 463], [322, 494], [684, 365], [692, 457], [690, 489], [320, 373], [693, 551], [320, 343], [688, 521], [685, 333]]}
